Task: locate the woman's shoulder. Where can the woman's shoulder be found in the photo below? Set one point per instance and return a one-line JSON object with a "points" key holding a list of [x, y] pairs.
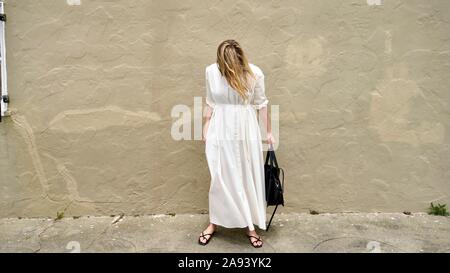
{"points": [[256, 69], [210, 67]]}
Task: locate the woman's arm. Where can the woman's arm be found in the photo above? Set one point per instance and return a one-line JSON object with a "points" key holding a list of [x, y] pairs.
{"points": [[266, 120], [261, 102], [207, 116]]}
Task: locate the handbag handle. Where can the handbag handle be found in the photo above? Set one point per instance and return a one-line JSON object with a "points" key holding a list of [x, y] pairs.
{"points": [[271, 158]]}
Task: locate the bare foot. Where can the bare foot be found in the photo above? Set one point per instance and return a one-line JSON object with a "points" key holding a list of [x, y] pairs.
{"points": [[209, 230], [255, 242]]}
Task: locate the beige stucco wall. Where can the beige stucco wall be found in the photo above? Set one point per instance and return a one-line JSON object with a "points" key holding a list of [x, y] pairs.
{"points": [[363, 94]]}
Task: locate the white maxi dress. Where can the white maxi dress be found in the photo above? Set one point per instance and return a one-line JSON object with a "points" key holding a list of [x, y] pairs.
{"points": [[234, 152]]}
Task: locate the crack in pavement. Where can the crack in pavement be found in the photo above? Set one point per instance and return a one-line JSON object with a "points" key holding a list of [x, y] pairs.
{"points": [[39, 237], [114, 222]]}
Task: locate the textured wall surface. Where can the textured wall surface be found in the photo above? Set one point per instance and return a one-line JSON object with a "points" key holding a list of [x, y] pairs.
{"points": [[363, 97]]}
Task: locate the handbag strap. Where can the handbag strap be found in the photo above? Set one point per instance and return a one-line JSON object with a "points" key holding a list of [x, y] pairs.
{"points": [[274, 159], [268, 225]]}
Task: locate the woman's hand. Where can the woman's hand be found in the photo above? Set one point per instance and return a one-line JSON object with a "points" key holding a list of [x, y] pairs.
{"points": [[270, 139]]}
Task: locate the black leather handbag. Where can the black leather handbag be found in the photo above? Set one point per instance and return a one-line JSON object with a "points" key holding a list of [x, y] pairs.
{"points": [[274, 186]]}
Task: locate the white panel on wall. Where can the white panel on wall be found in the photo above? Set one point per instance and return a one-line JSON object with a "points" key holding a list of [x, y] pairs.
{"points": [[4, 86]]}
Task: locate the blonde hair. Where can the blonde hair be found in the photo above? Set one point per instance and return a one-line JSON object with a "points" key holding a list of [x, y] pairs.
{"points": [[233, 65]]}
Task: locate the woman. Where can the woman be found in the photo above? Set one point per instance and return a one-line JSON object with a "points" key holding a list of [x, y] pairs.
{"points": [[233, 144]]}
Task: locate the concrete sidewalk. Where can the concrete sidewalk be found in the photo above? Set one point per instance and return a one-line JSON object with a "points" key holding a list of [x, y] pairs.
{"points": [[350, 232]]}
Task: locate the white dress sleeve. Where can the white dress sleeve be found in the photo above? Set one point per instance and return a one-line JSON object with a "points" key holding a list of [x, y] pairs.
{"points": [[209, 97], [260, 100]]}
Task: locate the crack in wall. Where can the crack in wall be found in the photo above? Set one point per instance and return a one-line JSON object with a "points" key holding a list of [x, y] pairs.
{"points": [[79, 120], [26, 131]]}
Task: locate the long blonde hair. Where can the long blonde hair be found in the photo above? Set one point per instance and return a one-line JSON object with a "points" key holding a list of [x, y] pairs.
{"points": [[233, 65]]}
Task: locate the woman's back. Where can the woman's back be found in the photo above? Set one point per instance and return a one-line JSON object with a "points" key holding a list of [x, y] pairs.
{"points": [[220, 92]]}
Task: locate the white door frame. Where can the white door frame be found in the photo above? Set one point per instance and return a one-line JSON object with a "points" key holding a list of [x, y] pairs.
{"points": [[4, 79]]}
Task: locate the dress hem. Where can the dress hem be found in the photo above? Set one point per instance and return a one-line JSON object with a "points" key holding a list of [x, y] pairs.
{"points": [[236, 226]]}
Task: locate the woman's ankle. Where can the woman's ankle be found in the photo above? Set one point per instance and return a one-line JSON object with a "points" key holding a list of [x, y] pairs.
{"points": [[253, 231]]}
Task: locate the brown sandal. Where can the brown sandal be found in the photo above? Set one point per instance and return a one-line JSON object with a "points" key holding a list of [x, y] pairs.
{"points": [[255, 243], [207, 239]]}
